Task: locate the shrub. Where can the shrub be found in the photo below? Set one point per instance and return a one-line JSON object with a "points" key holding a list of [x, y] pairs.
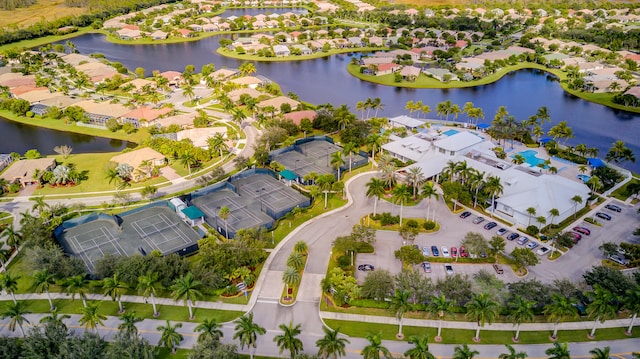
{"points": [[230, 290], [532, 230], [112, 125], [344, 262], [412, 223], [429, 225], [387, 219], [29, 114], [364, 247], [369, 303], [553, 151]]}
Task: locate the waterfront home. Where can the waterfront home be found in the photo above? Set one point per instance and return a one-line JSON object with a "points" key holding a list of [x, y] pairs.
{"points": [[184, 32], [159, 35], [304, 50], [38, 94], [97, 71], [277, 103], [253, 93], [410, 73], [248, 81], [386, 69], [281, 50], [443, 75], [199, 136], [174, 77], [407, 122], [297, 116], [17, 79], [223, 74], [585, 67], [23, 171], [100, 112], [129, 34], [140, 117], [183, 120], [136, 158], [138, 84]]}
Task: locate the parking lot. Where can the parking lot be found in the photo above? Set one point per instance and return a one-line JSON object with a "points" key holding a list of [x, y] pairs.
{"points": [[453, 229]]}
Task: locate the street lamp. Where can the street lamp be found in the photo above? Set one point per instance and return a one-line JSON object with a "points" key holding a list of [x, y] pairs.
{"points": [[259, 192], [295, 166]]}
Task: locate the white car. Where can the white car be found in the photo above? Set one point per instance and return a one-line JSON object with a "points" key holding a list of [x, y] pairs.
{"points": [[445, 251]]}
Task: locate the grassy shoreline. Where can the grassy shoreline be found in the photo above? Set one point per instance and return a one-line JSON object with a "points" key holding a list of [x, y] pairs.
{"points": [[316, 55]]}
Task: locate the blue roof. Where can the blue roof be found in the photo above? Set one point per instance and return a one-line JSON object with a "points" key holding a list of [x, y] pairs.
{"points": [[483, 126], [288, 174], [192, 212], [596, 162], [545, 139]]}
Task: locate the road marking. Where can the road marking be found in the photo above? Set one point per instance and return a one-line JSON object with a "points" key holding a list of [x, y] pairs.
{"points": [[268, 301]]}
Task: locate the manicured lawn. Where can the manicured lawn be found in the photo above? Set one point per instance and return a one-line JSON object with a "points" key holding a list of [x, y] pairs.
{"points": [[621, 193], [396, 227], [461, 336], [24, 16], [315, 55], [109, 307]]}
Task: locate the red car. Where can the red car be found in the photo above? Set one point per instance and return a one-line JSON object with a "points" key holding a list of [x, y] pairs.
{"points": [[463, 252], [454, 252], [582, 230]]}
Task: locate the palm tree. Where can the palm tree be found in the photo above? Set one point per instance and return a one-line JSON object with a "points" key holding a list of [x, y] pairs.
{"points": [[553, 212], [209, 329], [512, 354], [188, 159], [376, 104], [76, 285], [375, 188], [187, 288], [296, 261], [128, 324], [428, 191], [520, 310], [170, 337], [531, 211], [558, 351], [440, 307], [399, 305], [349, 149], [55, 320], [401, 194], [13, 237], [9, 284], [90, 317], [247, 332], [602, 307], [16, 312], [288, 340], [482, 310], [576, 201], [331, 345], [148, 285], [420, 348], [224, 214], [375, 347], [560, 307], [464, 352], [632, 303], [337, 161], [494, 188], [600, 353], [291, 278], [115, 288], [42, 281], [301, 247], [415, 177]]}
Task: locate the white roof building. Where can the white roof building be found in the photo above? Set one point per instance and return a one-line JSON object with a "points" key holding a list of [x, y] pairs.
{"points": [[405, 121]]}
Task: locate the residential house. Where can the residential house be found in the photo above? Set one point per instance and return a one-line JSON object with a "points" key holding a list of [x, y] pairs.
{"points": [[277, 103], [136, 159], [386, 69], [297, 116], [443, 75], [281, 50], [23, 171]]}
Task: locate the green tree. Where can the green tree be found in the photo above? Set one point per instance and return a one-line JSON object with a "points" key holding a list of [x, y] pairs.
{"points": [[209, 329], [420, 348], [9, 284], [512, 354], [14, 238], [523, 257], [16, 312], [289, 340], [76, 285], [90, 317], [632, 304], [337, 162], [331, 345], [560, 308], [296, 261], [482, 310], [497, 244], [42, 281], [128, 324], [115, 288], [401, 194], [224, 214], [440, 307], [464, 352], [375, 189], [247, 331], [520, 310], [148, 286], [291, 278], [301, 247], [170, 338], [558, 351], [399, 305], [375, 348], [603, 306], [187, 288], [494, 188], [598, 353]]}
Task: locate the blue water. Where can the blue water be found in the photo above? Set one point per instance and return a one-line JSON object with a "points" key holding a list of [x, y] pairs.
{"points": [[531, 159], [583, 178], [450, 132]]}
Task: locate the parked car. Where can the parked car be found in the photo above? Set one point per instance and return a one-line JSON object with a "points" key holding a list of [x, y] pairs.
{"points": [[618, 259], [426, 266], [366, 267], [465, 214], [445, 251], [575, 236], [513, 236], [454, 252], [425, 251], [522, 240], [542, 251], [498, 268], [478, 220], [613, 207], [435, 251], [603, 216], [502, 231], [532, 245], [483, 254], [582, 230], [448, 268], [463, 252], [490, 225]]}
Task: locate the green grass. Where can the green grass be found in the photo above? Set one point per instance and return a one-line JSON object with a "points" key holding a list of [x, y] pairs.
{"points": [[108, 307], [621, 193], [138, 137], [396, 227], [462, 336], [315, 55]]}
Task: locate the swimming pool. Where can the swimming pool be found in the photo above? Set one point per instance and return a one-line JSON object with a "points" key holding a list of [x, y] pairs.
{"points": [[450, 132], [583, 178], [530, 158]]}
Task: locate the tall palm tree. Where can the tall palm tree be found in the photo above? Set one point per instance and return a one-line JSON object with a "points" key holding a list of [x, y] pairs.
{"points": [[224, 214], [247, 332], [349, 149], [531, 211], [9, 284], [602, 307], [128, 324], [16, 312], [375, 188], [90, 317], [420, 348], [148, 286], [377, 105], [558, 351], [301, 247], [187, 288], [632, 304], [55, 320], [560, 308], [399, 305], [576, 201], [598, 353], [440, 307], [429, 191], [331, 345], [337, 162], [289, 339], [42, 281], [296, 261], [512, 354], [14, 238], [401, 194], [464, 352], [170, 338], [375, 348], [494, 188], [115, 288], [482, 310], [553, 212], [520, 310], [209, 329], [291, 278]]}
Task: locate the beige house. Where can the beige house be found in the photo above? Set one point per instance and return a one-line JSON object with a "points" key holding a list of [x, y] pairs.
{"points": [[135, 158], [23, 171], [199, 136], [277, 103]]}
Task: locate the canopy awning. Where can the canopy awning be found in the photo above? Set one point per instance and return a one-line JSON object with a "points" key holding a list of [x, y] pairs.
{"points": [[483, 126], [288, 175], [192, 212], [545, 139], [596, 162]]}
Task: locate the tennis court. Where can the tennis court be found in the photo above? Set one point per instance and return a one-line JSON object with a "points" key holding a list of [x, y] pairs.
{"points": [[274, 197], [134, 232]]}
